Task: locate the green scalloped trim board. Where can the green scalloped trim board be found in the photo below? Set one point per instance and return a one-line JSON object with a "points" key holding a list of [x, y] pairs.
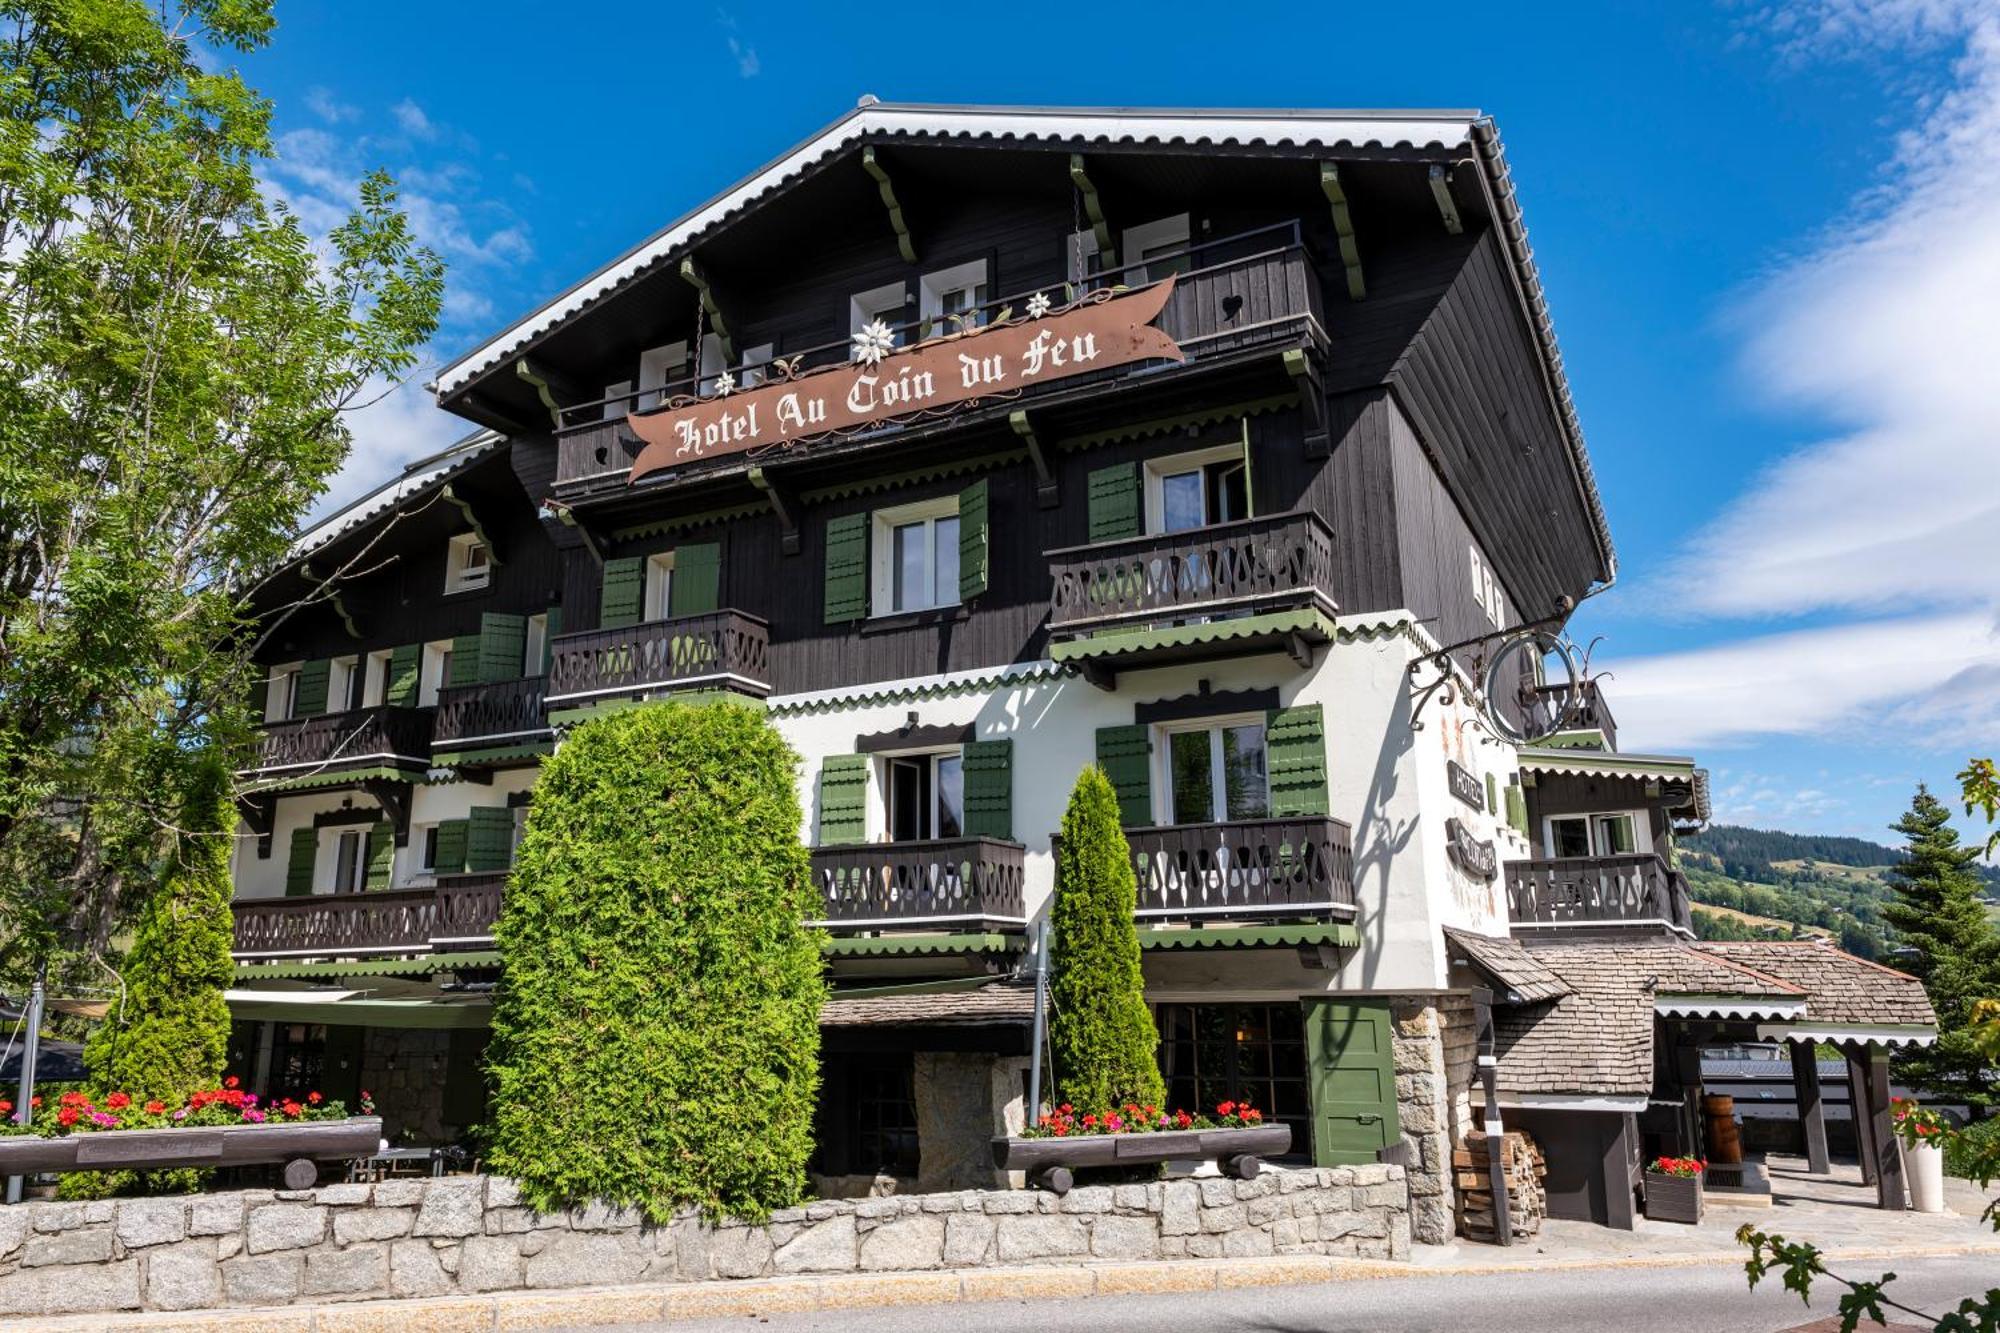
{"points": [[534, 749], [1112, 642], [1340, 934], [957, 467], [660, 527], [335, 779], [1215, 416], [400, 967], [912, 945]]}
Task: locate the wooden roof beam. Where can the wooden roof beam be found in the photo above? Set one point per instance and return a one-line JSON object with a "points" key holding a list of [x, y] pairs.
{"points": [[1343, 226], [1045, 482], [464, 507], [884, 187], [333, 598], [1093, 208], [1447, 206], [698, 280], [549, 385], [785, 505]]}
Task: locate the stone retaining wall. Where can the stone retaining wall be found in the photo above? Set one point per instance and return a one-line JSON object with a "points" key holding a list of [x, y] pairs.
{"points": [[466, 1235]]}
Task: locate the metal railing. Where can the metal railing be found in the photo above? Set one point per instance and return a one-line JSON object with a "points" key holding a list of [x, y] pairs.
{"points": [[724, 650], [1280, 561], [947, 881], [1300, 868]]}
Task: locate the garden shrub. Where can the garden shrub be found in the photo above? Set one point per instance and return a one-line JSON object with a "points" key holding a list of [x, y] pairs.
{"points": [[1102, 1042], [656, 1030], [1980, 1137]]}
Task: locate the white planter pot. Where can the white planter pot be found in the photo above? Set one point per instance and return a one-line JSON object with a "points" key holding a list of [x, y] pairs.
{"points": [[1924, 1167]]}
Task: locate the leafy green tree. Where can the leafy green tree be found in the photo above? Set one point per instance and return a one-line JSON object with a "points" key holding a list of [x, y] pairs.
{"points": [[176, 359], [656, 1033], [1938, 915], [1102, 1042]]}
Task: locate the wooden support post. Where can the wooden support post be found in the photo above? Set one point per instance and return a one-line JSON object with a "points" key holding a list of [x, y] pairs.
{"points": [[479, 530], [1812, 1114], [1889, 1184], [333, 598], [1447, 206], [1857, 1102], [1046, 494], [549, 386], [1093, 208], [394, 798], [1619, 1154], [698, 280], [781, 505], [1312, 402], [1343, 227], [873, 166]]}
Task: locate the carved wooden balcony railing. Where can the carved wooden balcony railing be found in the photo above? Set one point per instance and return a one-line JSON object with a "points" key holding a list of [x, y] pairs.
{"points": [[384, 737], [1279, 562], [507, 712], [467, 907], [457, 912], [921, 885], [720, 650], [1597, 890], [1256, 869]]}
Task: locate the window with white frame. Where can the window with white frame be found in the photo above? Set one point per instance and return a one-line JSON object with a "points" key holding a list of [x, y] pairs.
{"points": [[756, 366], [281, 697], [536, 647], [617, 400], [1214, 770], [925, 794], [888, 303], [436, 673], [1154, 249], [659, 366], [349, 860], [1616, 833], [468, 564], [375, 685], [659, 600], [423, 848], [343, 684], [520, 831], [1197, 489], [1486, 590], [916, 557], [951, 298]]}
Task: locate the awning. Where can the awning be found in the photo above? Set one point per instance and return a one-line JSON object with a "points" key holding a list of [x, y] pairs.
{"points": [[395, 967], [1339, 935], [352, 1008], [1884, 1034], [1731, 1007]]}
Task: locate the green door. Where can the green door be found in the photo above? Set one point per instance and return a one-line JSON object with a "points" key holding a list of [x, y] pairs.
{"points": [[1351, 1064]]}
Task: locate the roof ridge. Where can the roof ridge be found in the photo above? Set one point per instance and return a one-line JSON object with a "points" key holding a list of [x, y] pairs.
{"points": [[1813, 944]]}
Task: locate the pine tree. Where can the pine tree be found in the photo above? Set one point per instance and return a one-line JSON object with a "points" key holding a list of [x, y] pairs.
{"points": [[1938, 915], [1101, 1037]]}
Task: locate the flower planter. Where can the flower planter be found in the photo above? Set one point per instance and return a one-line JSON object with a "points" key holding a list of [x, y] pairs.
{"points": [[1673, 1198], [1050, 1162], [298, 1145], [1923, 1167]]}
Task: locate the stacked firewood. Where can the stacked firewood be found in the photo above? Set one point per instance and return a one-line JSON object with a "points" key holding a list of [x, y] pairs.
{"points": [[1521, 1164]]}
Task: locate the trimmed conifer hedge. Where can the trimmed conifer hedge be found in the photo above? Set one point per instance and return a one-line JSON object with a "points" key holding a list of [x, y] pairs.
{"points": [[1102, 1042], [656, 1032]]}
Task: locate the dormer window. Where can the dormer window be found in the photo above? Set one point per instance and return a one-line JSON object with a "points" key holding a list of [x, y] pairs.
{"points": [[468, 564]]}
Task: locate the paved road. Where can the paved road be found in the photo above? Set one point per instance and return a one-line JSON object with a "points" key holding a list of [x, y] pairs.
{"points": [[1708, 1299]]}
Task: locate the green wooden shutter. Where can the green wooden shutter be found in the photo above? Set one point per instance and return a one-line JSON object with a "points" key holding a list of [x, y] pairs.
{"points": [[1350, 1059], [1295, 750], [451, 842], [843, 799], [1114, 502], [624, 593], [312, 687], [258, 700], [553, 628], [697, 586], [846, 572], [974, 542], [299, 869], [1517, 809], [464, 661], [1126, 756], [502, 641], [381, 854], [989, 789], [405, 668], [489, 838]]}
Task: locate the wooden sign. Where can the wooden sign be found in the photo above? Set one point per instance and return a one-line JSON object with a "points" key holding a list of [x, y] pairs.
{"points": [[1465, 785], [1475, 858], [1099, 332]]}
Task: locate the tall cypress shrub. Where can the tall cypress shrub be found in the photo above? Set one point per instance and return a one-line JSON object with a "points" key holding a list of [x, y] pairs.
{"points": [[1102, 1043], [656, 1031]]}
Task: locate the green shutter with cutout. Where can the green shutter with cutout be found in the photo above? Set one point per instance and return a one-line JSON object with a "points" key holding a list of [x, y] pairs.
{"points": [[1295, 753], [405, 670], [843, 799], [549, 633], [989, 789], [381, 854], [313, 678], [1114, 502], [464, 661], [299, 869], [1517, 809], [451, 841], [503, 639], [489, 838], [624, 595], [974, 541], [1492, 795], [1126, 756], [697, 584], [846, 573]]}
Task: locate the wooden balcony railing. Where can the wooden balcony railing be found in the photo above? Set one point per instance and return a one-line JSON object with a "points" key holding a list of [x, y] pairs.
{"points": [[720, 650], [921, 885], [1279, 562], [1597, 890], [467, 907], [457, 912], [1261, 869], [387, 736], [508, 711]]}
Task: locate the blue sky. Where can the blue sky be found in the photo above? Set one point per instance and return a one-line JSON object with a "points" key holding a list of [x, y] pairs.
{"points": [[1763, 228]]}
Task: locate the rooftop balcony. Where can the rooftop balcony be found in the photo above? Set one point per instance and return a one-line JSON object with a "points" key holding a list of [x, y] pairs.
{"points": [[718, 650], [1297, 869], [457, 912], [948, 883], [1562, 893], [358, 743]]}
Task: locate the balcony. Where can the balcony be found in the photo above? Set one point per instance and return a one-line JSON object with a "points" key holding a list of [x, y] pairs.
{"points": [[357, 744], [719, 650], [1614, 891], [458, 912], [1299, 869], [1250, 291], [1255, 585], [971, 883], [484, 717]]}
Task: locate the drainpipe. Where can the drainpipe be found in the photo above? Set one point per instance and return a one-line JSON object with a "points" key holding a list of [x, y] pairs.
{"points": [[1041, 1022]]}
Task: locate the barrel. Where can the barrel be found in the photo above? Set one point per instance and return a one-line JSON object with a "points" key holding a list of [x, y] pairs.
{"points": [[1724, 1143]]}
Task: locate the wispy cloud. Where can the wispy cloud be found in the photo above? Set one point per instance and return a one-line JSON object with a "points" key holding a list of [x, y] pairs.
{"points": [[410, 118], [330, 108], [747, 64]]}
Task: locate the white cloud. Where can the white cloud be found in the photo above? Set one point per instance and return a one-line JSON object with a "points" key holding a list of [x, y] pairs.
{"points": [[330, 108], [410, 118], [747, 63]]}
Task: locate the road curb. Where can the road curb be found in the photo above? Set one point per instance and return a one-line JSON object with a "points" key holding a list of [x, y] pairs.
{"points": [[655, 1303]]}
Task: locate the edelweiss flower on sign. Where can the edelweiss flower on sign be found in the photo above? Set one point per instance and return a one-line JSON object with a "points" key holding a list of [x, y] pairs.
{"points": [[873, 342], [1038, 305], [725, 384]]}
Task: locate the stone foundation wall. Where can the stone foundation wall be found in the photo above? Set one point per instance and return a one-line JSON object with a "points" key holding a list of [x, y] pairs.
{"points": [[1436, 1050], [464, 1235]]}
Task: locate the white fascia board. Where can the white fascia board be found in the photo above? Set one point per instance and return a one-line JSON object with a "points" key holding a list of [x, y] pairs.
{"points": [[1567, 1101], [1736, 1007], [1888, 1034]]}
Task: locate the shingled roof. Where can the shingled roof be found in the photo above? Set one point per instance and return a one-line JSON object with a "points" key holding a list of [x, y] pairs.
{"points": [[1840, 988], [1002, 1002], [1509, 965], [1595, 1041]]}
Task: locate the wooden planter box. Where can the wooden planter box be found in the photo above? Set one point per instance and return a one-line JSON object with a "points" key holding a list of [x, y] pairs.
{"points": [[1673, 1198], [297, 1145], [1050, 1162]]}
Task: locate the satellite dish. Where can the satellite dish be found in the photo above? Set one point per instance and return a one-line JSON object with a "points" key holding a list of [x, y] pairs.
{"points": [[1537, 672]]}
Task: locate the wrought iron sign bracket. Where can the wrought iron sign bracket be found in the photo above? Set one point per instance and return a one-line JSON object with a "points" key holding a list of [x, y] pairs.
{"points": [[1046, 493], [1312, 402], [1343, 227], [873, 166], [783, 505], [394, 798]]}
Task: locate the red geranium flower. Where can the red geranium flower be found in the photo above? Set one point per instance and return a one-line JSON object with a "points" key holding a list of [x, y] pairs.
{"points": [[67, 1116], [1227, 1108], [118, 1101], [155, 1107], [6, 1107], [230, 1082], [313, 1097]]}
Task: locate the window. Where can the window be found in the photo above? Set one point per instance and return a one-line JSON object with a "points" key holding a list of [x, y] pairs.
{"points": [[1080, 256], [756, 365], [436, 672], [467, 563], [375, 686], [658, 367], [617, 400], [1215, 771], [926, 795], [659, 585], [959, 290], [281, 700], [916, 557], [1195, 490], [536, 649], [867, 1115], [1594, 835], [1154, 249], [298, 1060], [343, 684], [350, 860], [520, 832], [1486, 590], [1213, 1053], [890, 304]]}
